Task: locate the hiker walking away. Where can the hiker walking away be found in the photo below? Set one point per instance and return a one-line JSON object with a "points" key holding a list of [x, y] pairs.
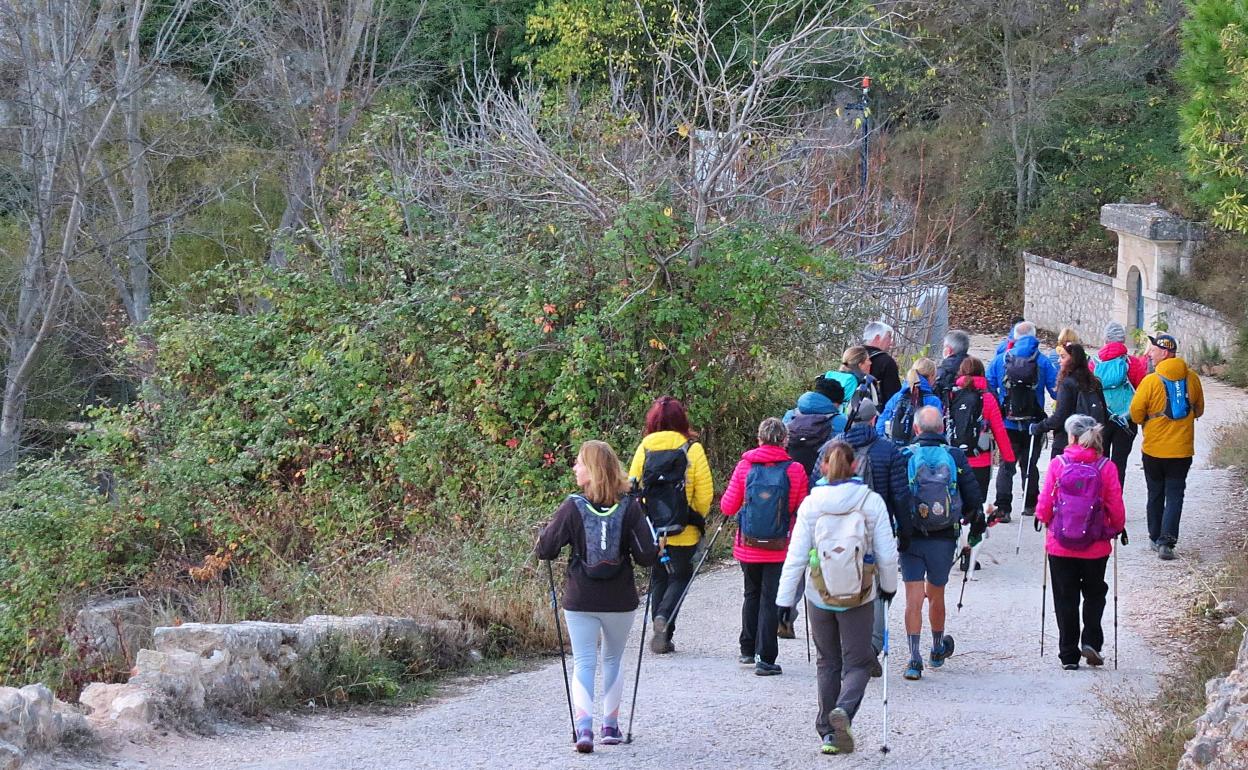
{"points": [[942, 490], [1120, 374], [606, 531], [844, 542], [877, 338], [1020, 377], [897, 420], [764, 492], [882, 467], [677, 491], [956, 348], [1078, 392], [856, 381], [1167, 405], [1066, 336], [973, 423], [815, 420], [1082, 506]]}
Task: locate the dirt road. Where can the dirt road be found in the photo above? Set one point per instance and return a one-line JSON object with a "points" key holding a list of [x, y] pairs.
{"points": [[995, 704]]}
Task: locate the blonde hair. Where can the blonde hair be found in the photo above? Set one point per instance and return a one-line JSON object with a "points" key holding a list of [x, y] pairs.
{"points": [[1066, 336], [838, 460], [854, 357], [607, 479], [925, 367], [773, 432]]}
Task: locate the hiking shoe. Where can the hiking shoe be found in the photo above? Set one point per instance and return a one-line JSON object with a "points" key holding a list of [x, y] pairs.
{"points": [[1093, 657], [659, 641], [785, 631], [877, 670], [763, 668], [1071, 666], [585, 741], [746, 660], [1154, 544], [1166, 552], [842, 738], [611, 736], [829, 744], [1003, 517], [914, 671], [946, 650], [1029, 511]]}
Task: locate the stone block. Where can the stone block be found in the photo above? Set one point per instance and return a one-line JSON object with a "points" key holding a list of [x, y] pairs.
{"points": [[11, 757], [1150, 222], [114, 630], [128, 707]]}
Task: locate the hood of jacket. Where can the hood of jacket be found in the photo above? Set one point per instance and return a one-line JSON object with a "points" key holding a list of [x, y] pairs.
{"points": [[1172, 369], [767, 453], [813, 402], [925, 387], [1025, 346], [967, 381], [932, 439], [664, 439], [860, 434], [1080, 454], [837, 498], [1110, 351]]}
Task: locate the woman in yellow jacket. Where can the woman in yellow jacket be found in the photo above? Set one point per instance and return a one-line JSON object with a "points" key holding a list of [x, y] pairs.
{"points": [[667, 429]]}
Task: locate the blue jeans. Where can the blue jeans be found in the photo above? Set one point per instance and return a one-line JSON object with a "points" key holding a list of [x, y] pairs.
{"points": [[1167, 481]]}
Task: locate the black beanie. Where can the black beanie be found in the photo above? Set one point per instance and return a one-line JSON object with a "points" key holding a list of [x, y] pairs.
{"points": [[830, 388]]}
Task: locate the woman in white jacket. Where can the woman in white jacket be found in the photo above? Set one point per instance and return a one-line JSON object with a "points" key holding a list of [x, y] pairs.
{"points": [[844, 537]]}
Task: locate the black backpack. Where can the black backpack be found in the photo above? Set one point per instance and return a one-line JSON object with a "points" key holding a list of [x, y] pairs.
{"points": [[965, 422], [807, 434], [603, 554], [1022, 376], [1092, 403], [901, 430], [663, 489]]}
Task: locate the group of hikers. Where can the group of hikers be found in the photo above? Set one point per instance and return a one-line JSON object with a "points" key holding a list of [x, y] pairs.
{"points": [[872, 474]]}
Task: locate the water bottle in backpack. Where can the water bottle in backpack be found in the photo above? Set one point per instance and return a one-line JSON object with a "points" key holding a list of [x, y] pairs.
{"points": [[839, 566]]}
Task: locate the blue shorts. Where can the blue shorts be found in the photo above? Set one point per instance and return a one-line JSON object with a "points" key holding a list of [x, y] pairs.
{"points": [[928, 558]]}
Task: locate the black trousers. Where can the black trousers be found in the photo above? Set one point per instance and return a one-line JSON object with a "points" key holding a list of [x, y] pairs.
{"points": [[759, 617], [1118, 443], [668, 587], [982, 476], [1023, 444], [1074, 578], [1167, 483]]}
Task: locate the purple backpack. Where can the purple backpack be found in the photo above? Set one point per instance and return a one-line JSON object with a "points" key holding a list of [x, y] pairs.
{"points": [[1078, 512]]}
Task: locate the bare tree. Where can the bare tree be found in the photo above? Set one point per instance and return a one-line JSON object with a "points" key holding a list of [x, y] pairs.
{"points": [[76, 66], [316, 67]]}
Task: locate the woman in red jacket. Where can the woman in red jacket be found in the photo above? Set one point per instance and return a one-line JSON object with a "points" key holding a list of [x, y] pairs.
{"points": [[757, 491], [971, 377], [1083, 519]]}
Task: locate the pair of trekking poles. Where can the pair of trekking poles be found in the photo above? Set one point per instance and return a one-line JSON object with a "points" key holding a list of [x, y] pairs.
{"points": [[645, 619], [1044, 580]]}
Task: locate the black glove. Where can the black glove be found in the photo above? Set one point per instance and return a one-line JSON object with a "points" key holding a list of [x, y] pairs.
{"points": [[1035, 522], [784, 613], [1122, 537], [887, 596], [1035, 429], [979, 523]]}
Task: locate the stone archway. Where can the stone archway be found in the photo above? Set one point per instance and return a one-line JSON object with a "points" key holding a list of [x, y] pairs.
{"points": [[1135, 299]]}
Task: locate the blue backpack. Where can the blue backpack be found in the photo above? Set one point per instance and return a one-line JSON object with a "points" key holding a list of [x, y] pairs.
{"points": [[1177, 404], [934, 488], [764, 519], [1118, 388]]}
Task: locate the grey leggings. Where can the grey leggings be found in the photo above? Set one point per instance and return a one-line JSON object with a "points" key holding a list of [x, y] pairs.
{"points": [[843, 643], [584, 630]]}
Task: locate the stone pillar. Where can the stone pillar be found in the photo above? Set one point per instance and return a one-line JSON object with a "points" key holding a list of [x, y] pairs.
{"points": [[1153, 241]]}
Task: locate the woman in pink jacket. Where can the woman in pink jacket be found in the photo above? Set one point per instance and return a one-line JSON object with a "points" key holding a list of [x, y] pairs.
{"points": [[1081, 504], [766, 488]]}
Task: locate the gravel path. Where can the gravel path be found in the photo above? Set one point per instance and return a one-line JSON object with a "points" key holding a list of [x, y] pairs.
{"points": [[996, 704]]}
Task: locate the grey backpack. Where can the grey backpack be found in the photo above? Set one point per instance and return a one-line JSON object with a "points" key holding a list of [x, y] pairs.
{"points": [[604, 532]]}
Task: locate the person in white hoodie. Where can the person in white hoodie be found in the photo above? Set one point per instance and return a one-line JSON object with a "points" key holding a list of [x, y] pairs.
{"points": [[844, 536]]}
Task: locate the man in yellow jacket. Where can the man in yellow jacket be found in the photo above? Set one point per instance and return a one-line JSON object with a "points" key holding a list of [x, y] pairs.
{"points": [[1166, 405]]}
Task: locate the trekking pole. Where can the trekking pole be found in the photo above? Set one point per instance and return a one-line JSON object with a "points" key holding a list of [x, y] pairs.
{"points": [[1115, 606], [1044, 595], [1031, 450], [554, 606], [632, 710], [806, 603], [884, 744], [705, 552]]}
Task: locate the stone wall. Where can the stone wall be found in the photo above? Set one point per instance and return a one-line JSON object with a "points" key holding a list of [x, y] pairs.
{"points": [[1192, 324], [1221, 740], [1059, 295]]}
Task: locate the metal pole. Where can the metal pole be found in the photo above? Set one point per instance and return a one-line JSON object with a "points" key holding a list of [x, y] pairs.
{"points": [[1044, 595], [1115, 606], [554, 606], [632, 710], [680, 602], [1026, 470], [884, 744]]}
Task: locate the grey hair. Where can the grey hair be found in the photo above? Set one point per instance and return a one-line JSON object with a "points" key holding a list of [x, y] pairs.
{"points": [[773, 431], [958, 341], [1084, 431], [929, 420], [876, 329], [1024, 329]]}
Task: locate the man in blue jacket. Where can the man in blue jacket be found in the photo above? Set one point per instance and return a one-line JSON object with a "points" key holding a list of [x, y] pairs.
{"points": [[1020, 376]]}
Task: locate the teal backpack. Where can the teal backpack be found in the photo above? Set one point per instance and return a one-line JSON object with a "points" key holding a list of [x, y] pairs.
{"points": [[1118, 388], [934, 488]]}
